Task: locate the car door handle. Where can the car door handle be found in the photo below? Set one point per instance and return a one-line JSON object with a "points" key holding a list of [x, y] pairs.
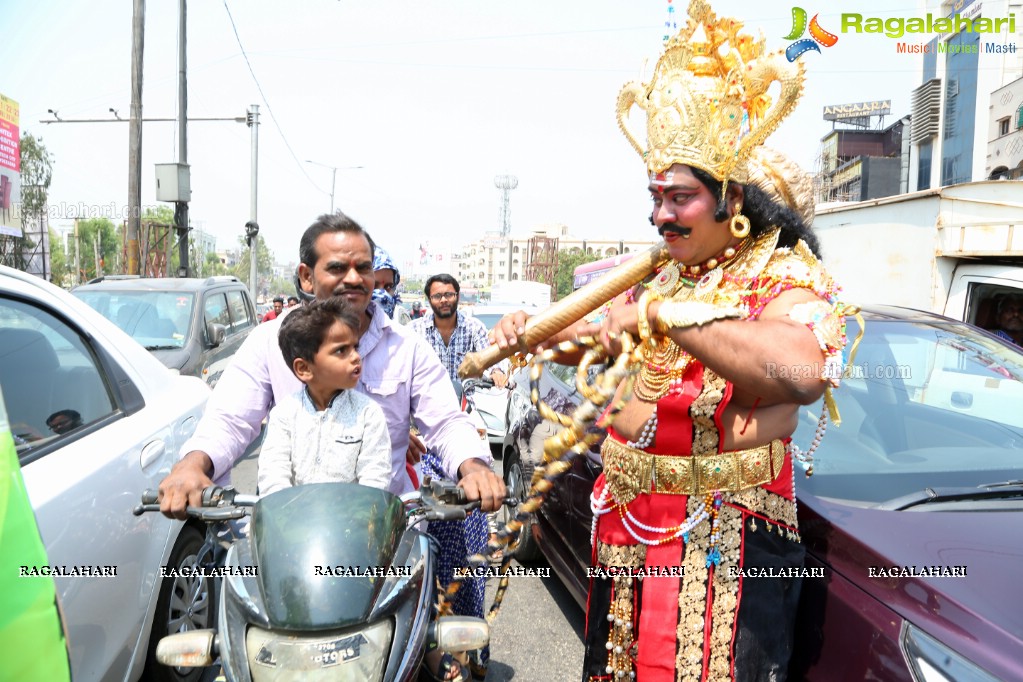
{"points": [[152, 452]]}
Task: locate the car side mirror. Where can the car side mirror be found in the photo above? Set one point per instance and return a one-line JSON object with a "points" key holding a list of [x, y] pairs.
{"points": [[216, 333]]}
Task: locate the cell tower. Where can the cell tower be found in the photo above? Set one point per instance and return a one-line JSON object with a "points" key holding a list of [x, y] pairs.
{"points": [[506, 183]]}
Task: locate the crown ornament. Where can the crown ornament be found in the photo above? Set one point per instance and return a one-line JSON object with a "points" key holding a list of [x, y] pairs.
{"points": [[707, 102]]}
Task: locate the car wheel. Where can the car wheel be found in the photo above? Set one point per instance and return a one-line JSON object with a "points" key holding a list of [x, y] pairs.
{"points": [[518, 488], [185, 603]]}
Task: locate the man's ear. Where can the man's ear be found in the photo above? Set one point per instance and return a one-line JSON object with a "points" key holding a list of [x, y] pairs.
{"points": [[302, 369], [736, 194], [305, 278]]}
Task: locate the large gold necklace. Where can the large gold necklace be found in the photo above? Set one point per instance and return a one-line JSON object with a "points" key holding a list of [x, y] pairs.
{"points": [[665, 362]]}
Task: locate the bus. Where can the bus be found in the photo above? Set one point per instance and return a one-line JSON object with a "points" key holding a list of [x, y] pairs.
{"points": [[588, 272]]}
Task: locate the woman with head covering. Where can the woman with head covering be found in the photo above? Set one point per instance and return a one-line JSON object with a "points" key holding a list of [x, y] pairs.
{"points": [[385, 292]]}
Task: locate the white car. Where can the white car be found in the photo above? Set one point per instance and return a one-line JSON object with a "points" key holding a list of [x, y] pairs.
{"points": [[96, 420]]}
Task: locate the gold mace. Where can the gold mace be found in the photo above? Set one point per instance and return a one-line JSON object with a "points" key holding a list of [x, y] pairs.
{"points": [[570, 309]]}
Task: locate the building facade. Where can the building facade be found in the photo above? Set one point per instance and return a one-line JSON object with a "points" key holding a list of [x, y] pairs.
{"points": [[1005, 123], [493, 259], [952, 115]]}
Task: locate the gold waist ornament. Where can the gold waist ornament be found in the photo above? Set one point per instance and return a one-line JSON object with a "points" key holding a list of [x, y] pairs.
{"points": [[630, 472]]}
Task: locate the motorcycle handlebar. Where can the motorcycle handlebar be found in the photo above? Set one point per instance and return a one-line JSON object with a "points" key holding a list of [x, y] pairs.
{"points": [[218, 504]]}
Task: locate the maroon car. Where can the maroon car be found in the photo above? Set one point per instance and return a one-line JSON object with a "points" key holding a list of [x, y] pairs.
{"points": [[914, 511]]}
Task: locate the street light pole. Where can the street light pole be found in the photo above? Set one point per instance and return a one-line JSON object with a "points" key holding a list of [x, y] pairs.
{"points": [[333, 177]]}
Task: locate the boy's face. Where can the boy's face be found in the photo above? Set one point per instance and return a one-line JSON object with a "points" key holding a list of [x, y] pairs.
{"points": [[336, 365]]}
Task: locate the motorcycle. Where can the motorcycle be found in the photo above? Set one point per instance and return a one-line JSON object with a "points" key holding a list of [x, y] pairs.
{"points": [[333, 581]]}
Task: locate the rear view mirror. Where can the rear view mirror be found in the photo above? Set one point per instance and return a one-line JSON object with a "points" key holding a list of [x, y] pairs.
{"points": [[216, 333]]}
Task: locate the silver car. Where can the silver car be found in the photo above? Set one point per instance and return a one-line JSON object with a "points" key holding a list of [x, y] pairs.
{"points": [[96, 420]]}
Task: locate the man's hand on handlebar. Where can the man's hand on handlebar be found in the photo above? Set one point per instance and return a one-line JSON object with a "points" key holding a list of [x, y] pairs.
{"points": [[481, 483], [183, 486]]}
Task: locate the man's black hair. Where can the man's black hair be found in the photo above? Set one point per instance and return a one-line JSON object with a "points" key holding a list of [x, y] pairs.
{"points": [[304, 328], [72, 415], [763, 213], [329, 222], [1003, 299], [278, 299], [443, 278]]}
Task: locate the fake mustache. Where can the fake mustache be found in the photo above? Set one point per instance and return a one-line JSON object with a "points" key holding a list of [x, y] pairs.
{"points": [[683, 232]]}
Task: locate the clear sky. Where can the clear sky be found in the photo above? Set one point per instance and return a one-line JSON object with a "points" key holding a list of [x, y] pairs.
{"points": [[433, 98]]}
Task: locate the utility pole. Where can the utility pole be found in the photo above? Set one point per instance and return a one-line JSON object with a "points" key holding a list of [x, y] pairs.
{"points": [[181, 207], [252, 227], [78, 257], [138, 22]]}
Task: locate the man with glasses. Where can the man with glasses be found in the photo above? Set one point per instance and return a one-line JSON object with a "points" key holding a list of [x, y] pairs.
{"points": [[451, 333]]}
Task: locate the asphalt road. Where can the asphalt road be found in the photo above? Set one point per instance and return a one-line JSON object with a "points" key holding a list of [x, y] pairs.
{"points": [[538, 634]]}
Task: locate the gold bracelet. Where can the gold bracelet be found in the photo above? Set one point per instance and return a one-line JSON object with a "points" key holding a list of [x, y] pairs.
{"points": [[643, 319], [679, 315]]}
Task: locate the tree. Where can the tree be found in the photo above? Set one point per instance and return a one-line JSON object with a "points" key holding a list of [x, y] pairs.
{"points": [[264, 265], [568, 261], [60, 268], [97, 234], [36, 174]]}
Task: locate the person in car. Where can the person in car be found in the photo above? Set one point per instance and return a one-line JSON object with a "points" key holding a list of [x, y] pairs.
{"points": [[739, 327], [327, 431], [1009, 317], [399, 372]]}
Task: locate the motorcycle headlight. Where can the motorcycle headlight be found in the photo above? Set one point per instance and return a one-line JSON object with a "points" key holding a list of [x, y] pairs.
{"points": [[931, 661], [344, 655]]}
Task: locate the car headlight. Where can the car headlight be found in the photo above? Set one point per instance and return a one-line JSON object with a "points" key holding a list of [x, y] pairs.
{"points": [[342, 655], [931, 661]]}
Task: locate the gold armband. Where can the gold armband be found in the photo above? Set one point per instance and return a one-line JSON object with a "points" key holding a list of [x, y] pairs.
{"points": [[643, 318], [679, 315]]}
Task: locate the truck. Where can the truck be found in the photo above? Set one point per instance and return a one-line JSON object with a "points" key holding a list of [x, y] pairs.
{"points": [[953, 250], [521, 293]]}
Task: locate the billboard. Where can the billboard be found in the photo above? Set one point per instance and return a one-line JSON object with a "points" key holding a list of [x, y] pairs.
{"points": [[837, 112], [10, 168]]}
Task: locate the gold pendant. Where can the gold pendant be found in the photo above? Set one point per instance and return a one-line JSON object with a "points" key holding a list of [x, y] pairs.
{"points": [[665, 283]]}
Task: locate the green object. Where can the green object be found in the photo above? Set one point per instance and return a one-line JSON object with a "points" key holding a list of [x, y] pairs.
{"points": [[32, 644]]}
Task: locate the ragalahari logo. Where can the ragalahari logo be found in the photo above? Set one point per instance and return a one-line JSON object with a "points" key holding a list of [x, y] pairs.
{"points": [[818, 35]]}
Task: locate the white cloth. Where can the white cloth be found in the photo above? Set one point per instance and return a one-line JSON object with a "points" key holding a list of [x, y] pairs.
{"points": [[347, 443]]}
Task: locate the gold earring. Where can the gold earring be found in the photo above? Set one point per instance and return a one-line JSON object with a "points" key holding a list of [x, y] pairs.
{"points": [[739, 219]]}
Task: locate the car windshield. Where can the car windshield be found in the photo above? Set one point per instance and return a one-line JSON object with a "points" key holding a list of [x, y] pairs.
{"points": [[924, 405], [155, 318], [489, 319]]}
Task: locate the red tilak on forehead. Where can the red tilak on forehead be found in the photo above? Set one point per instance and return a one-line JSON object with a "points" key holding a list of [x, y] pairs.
{"points": [[658, 181]]}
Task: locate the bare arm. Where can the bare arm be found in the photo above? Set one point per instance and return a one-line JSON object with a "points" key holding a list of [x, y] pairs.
{"points": [[748, 353]]}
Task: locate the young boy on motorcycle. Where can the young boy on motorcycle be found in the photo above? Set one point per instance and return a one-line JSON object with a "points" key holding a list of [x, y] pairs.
{"points": [[326, 431]]}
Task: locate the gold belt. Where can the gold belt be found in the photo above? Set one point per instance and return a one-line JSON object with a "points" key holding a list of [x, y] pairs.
{"points": [[629, 471]]}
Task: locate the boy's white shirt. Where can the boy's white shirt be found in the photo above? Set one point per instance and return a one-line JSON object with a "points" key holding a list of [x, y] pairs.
{"points": [[348, 442]]}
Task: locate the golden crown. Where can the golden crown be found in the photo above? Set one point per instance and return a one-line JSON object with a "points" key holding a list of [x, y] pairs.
{"points": [[707, 103]]}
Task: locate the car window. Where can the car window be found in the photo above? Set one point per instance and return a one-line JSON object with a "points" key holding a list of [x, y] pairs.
{"points": [[922, 405], [156, 319], [565, 373], [215, 310], [54, 384], [240, 317]]}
